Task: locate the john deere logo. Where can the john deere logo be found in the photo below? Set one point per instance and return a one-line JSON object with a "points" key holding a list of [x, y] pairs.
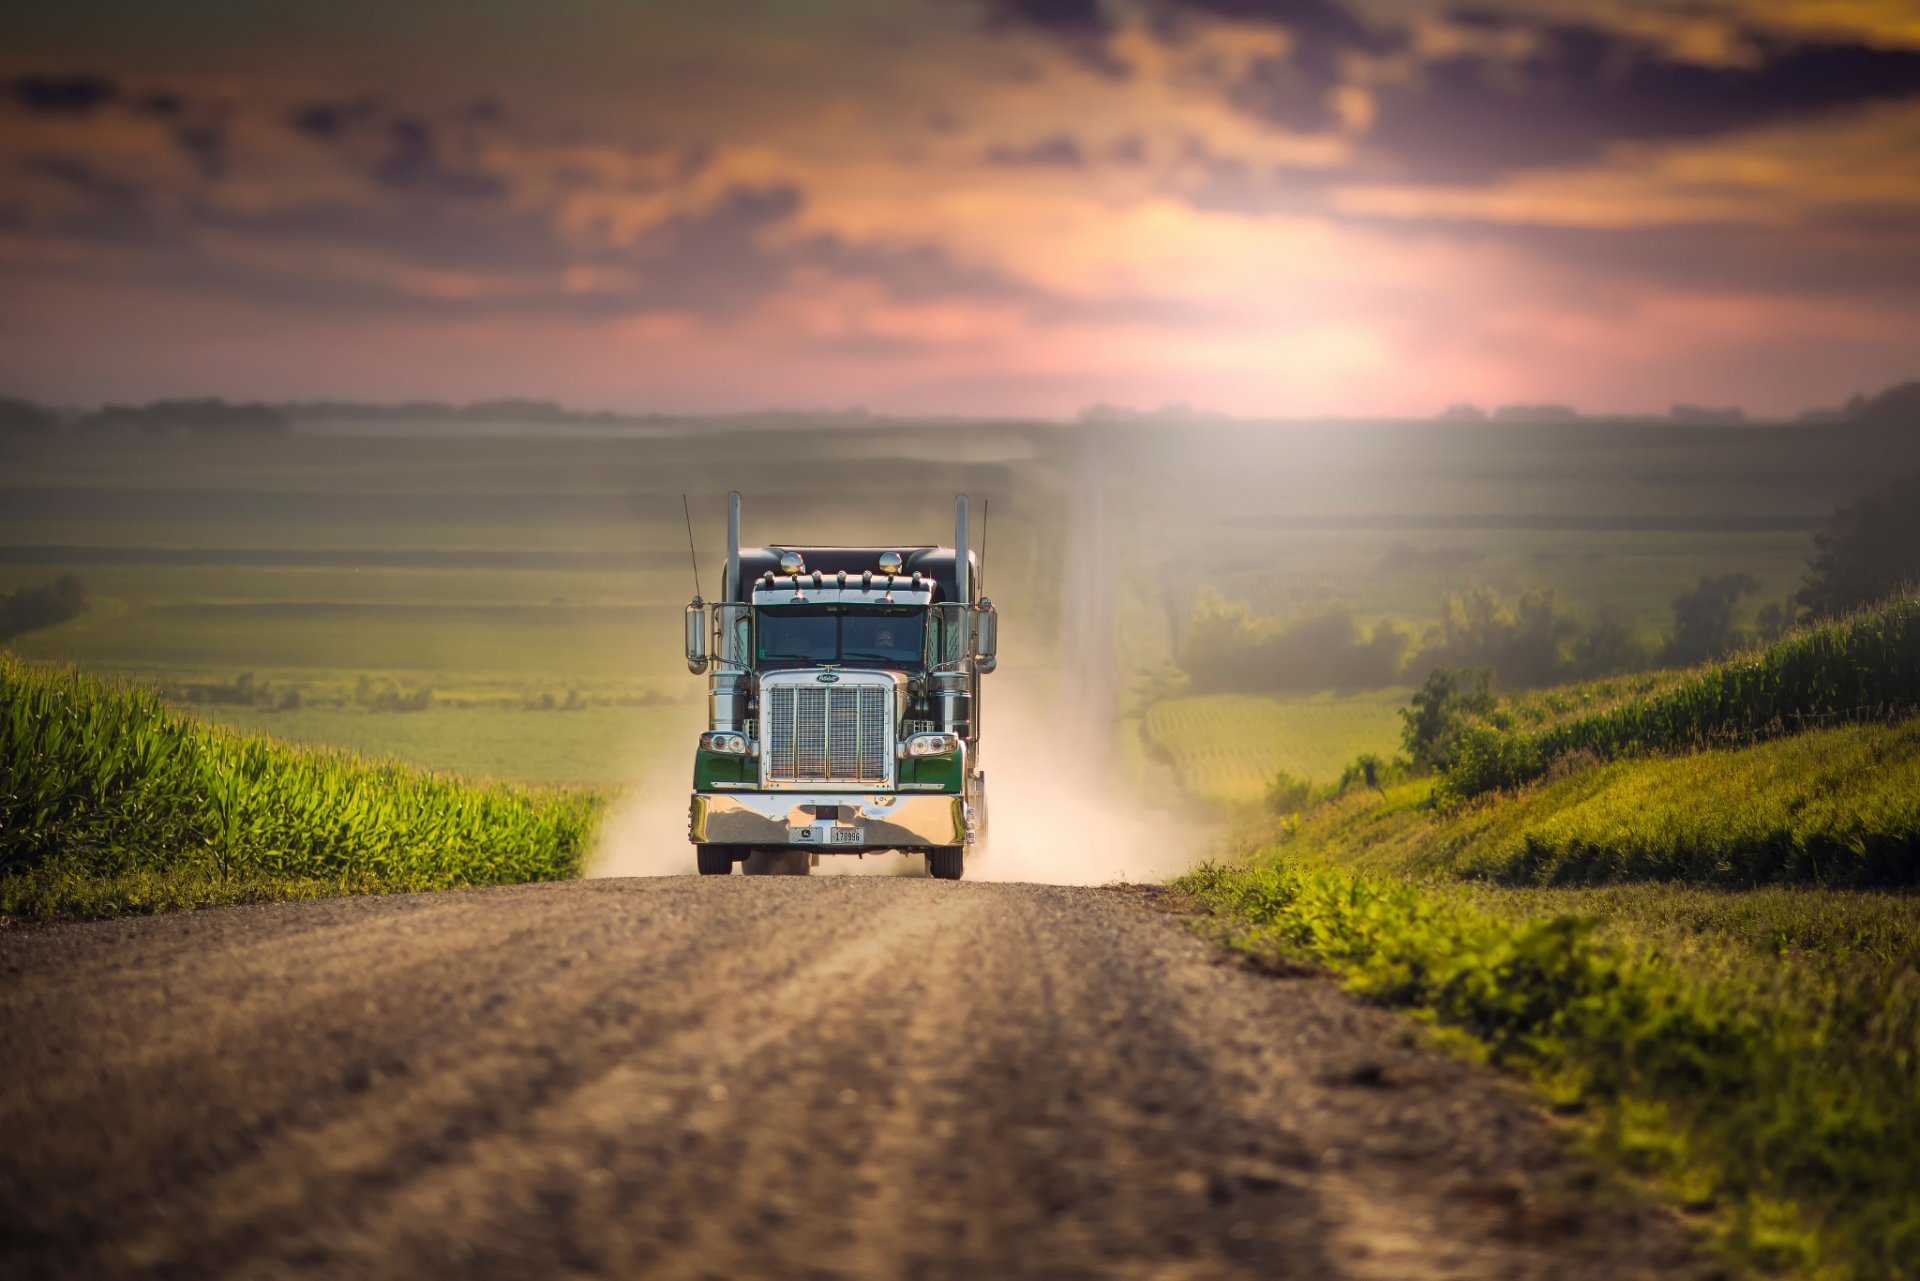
{"points": [[826, 678]]}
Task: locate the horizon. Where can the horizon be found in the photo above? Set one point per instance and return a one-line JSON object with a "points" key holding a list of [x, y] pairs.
{"points": [[1465, 413]]}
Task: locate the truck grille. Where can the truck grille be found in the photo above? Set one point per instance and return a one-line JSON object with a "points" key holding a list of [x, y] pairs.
{"points": [[822, 734]]}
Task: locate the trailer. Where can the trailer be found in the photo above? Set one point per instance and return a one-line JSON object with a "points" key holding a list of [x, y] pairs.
{"points": [[843, 705]]}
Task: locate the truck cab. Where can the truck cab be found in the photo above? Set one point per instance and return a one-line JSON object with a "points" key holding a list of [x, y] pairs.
{"points": [[843, 704]]}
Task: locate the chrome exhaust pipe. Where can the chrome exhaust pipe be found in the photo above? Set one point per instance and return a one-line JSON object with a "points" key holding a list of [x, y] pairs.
{"points": [[963, 589], [730, 585]]}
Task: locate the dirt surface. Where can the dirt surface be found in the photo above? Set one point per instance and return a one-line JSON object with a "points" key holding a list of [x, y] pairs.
{"points": [[807, 1078]]}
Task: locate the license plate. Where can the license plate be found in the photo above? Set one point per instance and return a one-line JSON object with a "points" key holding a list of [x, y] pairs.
{"points": [[826, 834]]}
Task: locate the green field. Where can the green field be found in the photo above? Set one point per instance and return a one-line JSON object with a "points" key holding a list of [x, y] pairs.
{"points": [[1228, 747], [1690, 951], [112, 802]]}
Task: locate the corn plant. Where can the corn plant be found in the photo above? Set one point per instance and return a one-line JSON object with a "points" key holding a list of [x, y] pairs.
{"points": [[105, 778], [1866, 667]]}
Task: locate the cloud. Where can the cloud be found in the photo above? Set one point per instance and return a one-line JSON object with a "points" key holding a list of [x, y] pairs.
{"points": [[330, 121], [413, 163], [1319, 28], [62, 95], [1055, 17], [1471, 117], [1060, 151]]}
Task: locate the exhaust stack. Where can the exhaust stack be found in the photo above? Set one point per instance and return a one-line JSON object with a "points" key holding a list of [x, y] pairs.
{"points": [[963, 588], [730, 585]]}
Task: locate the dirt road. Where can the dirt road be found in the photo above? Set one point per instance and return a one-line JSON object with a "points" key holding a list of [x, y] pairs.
{"points": [[806, 1078]]}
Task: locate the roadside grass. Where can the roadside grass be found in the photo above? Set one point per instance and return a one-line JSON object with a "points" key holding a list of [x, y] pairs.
{"points": [[1713, 959], [1228, 747], [110, 801], [1779, 1102]]}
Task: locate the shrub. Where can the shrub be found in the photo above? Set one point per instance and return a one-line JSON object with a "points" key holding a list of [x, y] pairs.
{"points": [[1288, 794], [1438, 712], [1703, 619], [1486, 759]]}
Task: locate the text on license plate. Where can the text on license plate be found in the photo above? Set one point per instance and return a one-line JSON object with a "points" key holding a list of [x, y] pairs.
{"points": [[827, 834]]}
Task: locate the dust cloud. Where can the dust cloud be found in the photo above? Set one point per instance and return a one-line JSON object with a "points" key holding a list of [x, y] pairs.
{"points": [[1064, 810], [645, 831]]}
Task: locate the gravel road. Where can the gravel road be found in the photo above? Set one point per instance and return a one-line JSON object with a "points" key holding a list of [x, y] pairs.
{"points": [[781, 1077]]}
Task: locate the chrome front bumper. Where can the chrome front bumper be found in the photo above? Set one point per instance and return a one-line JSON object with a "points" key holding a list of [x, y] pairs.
{"points": [[886, 820]]}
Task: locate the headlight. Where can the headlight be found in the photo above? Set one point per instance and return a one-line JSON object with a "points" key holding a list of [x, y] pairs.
{"points": [[933, 745], [727, 743]]}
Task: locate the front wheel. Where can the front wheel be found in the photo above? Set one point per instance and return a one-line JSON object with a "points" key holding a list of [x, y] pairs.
{"points": [[714, 860], [947, 862]]}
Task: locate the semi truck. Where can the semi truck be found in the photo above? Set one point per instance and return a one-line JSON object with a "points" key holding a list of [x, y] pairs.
{"points": [[843, 705]]}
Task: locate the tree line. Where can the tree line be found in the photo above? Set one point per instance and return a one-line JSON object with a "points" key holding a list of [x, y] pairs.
{"points": [[1869, 550], [27, 609], [209, 416]]}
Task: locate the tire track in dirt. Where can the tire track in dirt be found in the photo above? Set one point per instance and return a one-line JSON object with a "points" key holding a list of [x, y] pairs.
{"points": [[778, 1077]]}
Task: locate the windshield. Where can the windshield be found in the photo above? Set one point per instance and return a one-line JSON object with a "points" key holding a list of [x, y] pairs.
{"points": [[839, 634]]}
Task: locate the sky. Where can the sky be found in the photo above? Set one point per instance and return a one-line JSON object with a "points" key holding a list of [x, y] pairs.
{"points": [[978, 207]]}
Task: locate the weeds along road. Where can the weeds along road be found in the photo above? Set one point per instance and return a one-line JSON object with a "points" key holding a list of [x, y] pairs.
{"points": [[809, 1078]]}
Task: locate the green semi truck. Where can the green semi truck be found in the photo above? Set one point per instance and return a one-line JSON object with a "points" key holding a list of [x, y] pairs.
{"points": [[843, 705]]}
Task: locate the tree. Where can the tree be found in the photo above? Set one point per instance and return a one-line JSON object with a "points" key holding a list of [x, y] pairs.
{"points": [[1869, 550], [1438, 712], [1703, 618], [1895, 407], [1703, 625]]}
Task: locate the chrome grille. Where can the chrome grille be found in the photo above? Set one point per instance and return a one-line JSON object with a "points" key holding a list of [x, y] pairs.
{"points": [[827, 734]]}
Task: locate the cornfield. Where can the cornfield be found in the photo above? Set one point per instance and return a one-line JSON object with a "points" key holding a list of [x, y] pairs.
{"points": [[103, 778], [1866, 667]]}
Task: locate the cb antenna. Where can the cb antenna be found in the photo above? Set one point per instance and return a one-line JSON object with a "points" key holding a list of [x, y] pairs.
{"points": [[692, 555]]}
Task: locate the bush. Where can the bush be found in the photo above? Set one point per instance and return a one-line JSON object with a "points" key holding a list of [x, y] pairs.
{"points": [[1288, 794], [1703, 619], [1488, 760], [1435, 717]]}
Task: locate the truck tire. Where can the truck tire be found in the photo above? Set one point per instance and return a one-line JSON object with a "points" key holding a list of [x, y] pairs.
{"points": [[778, 862], [714, 860], [947, 862]]}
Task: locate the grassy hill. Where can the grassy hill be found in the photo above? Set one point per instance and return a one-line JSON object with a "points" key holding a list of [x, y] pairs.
{"points": [[1689, 918], [112, 802]]}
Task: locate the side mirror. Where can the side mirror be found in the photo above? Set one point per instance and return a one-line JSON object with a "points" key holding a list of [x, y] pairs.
{"points": [[986, 635], [697, 636]]}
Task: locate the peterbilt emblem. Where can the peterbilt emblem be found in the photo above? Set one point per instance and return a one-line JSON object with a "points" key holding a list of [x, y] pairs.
{"points": [[826, 678]]}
